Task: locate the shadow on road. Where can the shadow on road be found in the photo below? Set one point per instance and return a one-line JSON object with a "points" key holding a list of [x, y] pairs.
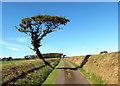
{"points": [[67, 68], [76, 68]]}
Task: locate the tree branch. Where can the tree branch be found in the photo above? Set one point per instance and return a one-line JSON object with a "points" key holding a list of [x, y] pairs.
{"points": [[31, 48]]}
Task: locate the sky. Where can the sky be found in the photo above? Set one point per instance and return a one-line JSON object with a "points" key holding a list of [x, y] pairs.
{"points": [[60, 0], [93, 28]]}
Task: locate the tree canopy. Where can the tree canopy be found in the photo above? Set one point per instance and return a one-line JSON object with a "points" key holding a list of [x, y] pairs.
{"points": [[37, 27]]}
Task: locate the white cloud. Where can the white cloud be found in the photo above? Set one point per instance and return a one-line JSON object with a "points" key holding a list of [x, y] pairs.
{"points": [[12, 48], [8, 44], [20, 39], [24, 39]]}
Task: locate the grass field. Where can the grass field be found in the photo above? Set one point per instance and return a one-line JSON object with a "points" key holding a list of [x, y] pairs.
{"points": [[7, 62]]}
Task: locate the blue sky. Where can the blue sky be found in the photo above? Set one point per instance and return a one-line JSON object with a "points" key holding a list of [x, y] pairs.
{"points": [[93, 28]]}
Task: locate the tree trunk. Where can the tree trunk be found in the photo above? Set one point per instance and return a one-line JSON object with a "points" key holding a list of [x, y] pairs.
{"points": [[41, 57]]}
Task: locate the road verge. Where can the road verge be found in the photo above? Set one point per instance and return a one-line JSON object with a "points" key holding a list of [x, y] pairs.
{"points": [[91, 77], [52, 77]]}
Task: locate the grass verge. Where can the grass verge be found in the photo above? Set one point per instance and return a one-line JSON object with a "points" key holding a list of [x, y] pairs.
{"points": [[52, 77], [95, 80]]}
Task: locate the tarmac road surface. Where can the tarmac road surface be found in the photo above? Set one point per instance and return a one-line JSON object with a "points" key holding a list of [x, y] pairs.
{"points": [[70, 75]]}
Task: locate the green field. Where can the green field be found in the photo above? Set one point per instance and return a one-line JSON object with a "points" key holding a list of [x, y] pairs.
{"points": [[7, 62]]}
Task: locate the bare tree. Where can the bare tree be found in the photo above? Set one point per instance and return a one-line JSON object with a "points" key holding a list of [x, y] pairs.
{"points": [[37, 27]]}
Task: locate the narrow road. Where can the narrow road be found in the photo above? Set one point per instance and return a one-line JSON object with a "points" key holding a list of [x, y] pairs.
{"points": [[70, 75]]}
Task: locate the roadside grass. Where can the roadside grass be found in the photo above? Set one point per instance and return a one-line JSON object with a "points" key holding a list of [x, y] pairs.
{"points": [[95, 80], [52, 77]]}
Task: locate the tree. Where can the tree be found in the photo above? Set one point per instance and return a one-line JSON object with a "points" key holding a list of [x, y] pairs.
{"points": [[37, 27], [64, 56], [9, 58]]}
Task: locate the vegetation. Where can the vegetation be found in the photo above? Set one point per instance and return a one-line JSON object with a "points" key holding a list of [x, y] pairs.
{"points": [[47, 55], [13, 61], [6, 59], [52, 77], [104, 66], [52, 55], [27, 72], [92, 77], [37, 27]]}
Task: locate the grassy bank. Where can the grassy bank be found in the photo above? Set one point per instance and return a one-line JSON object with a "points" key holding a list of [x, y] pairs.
{"points": [[104, 66], [91, 77], [27, 72], [52, 77]]}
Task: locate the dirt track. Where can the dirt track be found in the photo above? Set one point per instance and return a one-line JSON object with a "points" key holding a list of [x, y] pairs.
{"points": [[70, 75]]}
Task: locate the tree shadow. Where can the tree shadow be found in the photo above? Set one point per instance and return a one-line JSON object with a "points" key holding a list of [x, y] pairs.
{"points": [[67, 68], [76, 68], [21, 76], [84, 61]]}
